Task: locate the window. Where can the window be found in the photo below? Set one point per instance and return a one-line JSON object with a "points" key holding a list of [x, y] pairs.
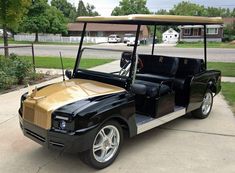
{"points": [[196, 32], [212, 31], [187, 31], [100, 34]]}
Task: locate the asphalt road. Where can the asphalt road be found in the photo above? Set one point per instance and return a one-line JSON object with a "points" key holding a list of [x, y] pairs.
{"points": [[214, 54], [184, 145]]}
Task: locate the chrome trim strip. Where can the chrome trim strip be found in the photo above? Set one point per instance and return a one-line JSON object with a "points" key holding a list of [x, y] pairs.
{"points": [[61, 117], [142, 127]]}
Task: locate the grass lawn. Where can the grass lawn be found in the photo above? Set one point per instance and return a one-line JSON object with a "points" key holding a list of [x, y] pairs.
{"points": [[11, 41], [54, 62], [209, 45], [228, 90], [227, 68]]}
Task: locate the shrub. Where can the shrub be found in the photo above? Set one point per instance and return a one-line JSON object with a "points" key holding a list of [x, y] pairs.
{"points": [[21, 69], [6, 81], [13, 71]]}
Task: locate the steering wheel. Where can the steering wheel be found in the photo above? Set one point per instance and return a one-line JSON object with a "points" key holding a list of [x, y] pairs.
{"points": [[125, 69]]}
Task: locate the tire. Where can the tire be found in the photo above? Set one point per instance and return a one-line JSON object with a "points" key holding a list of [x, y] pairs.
{"points": [[105, 153], [205, 109]]}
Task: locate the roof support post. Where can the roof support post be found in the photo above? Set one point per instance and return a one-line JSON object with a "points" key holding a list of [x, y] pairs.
{"points": [[154, 39], [134, 57], [80, 48], [205, 47]]}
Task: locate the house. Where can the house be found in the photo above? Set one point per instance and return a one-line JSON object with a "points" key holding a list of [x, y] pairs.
{"points": [[104, 30], [195, 33], [170, 36]]}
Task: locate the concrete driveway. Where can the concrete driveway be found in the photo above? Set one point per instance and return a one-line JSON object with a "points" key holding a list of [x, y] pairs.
{"points": [[184, 145]]}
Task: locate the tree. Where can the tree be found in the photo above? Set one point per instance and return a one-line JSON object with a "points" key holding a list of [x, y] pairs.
{"points": [[187, 8], [81, 11], [88, 10], [233, 13], [56, 20], [215, 12], [131, 7], [162, 12], [42, 18], [36, 19], [10, 15], [66, 8]]}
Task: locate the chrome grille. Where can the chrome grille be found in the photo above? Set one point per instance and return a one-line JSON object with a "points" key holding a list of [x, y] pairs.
{"points": [[37, 116], [28, 114]]}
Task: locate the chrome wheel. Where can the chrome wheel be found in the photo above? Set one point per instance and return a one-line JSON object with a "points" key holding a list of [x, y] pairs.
{"points": [[106, 143], [207, 103]]}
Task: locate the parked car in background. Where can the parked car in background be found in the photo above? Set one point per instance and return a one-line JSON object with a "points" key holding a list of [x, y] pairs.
{"points": [[114, 39], [127, 37], [131, 41]]}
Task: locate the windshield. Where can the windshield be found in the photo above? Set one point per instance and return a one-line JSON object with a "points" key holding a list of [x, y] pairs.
{"points": [[108, 61]]}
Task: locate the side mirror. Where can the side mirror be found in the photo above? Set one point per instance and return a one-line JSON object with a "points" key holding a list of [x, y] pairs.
{"points": [[139, 89], [68, 74]]}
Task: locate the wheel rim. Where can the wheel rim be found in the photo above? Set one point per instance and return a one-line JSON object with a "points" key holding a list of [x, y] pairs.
{"points": [[207, 102], [106, 143]]}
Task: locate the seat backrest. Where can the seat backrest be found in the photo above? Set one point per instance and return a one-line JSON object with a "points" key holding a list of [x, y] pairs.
{"points": [[159, 65], [189, 67]]}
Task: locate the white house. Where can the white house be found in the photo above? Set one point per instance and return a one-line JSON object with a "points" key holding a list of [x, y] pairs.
{"points": [[170, 36]]}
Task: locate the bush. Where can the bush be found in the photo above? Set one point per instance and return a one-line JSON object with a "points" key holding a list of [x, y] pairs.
{"points": [[6, 81], [13, 71]]}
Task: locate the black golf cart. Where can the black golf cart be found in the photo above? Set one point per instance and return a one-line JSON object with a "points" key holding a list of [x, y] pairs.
{"points": [[90, 112]]}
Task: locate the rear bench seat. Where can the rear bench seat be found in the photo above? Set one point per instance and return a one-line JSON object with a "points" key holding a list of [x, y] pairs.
{"points": [[163, 68], [187, 68]]}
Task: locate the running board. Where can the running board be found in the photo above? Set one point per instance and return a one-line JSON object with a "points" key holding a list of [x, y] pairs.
{"points": [[145, 123]]}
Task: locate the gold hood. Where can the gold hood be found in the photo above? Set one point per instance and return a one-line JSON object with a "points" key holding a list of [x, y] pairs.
{"points": [[38, 107]]}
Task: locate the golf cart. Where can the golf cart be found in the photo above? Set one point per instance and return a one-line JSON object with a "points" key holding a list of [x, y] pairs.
{"points": [[90, 112]]}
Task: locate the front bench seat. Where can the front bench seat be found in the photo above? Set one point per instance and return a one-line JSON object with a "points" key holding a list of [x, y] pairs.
{"points": [[154, 89], [157, 68]]}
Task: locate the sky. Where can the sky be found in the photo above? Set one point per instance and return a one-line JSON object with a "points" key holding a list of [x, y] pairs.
{"points": [[105, 7]]}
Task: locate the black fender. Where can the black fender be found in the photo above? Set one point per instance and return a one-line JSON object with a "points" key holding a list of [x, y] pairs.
{"points": [[88, 114]]}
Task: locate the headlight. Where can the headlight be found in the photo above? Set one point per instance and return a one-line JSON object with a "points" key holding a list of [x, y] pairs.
{"points": [[62, 121], [62, 124]]}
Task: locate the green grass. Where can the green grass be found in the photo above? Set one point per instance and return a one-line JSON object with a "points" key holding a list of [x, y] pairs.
{"points": [[54, 62], [11, 41], [209, 45], [227, 68], [228, 90]]}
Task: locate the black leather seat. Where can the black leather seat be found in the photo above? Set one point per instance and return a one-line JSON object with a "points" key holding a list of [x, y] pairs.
{"points": [[157, 68], [154, 89], [186, 69]]}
